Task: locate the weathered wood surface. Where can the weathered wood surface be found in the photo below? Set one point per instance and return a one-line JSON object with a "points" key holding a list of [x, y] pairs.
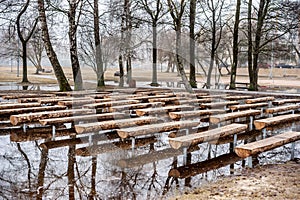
{"points": [[193, 101], [213, 96], [25, 95], [258, 100], [271, 121], [167, 100], [135, 106], [155, 128], [260, 146], [247, 106], [28, 100], [110, 104], [282, 108], [8, 112], [218, 104], [83, 118], [234, 115], [78, 102], [56, 100], [18, 105], [94, 150], [32, 117], [114, 124], [205, 166], [194, 113], [166, 109], [118, 97], [146, 97], [284, 101], [151, 157], [206, 136], [233, 98]]}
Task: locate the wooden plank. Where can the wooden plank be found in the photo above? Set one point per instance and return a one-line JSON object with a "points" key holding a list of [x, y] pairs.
{"points": [[218, 104], [206, 136], [110, 104], [282, 108], [166, 109], [283, 101], [114, 124], [155, 128], [56, 100], [258, 100], [8, 112], [193, 101], [233, 98], [78, 102], [28, 100], [32, 117], [135, 106], [83, 118], [94, 150], [190, 170], [193, 113], [18, 105], [25, 95], [262, 123], [168, 99], [260, 146], [247, 106], [234, 115]]}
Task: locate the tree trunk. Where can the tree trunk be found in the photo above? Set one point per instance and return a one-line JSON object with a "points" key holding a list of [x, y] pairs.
{"points": [[24, 59], [193, 81], [154, 55], [78, 85], [59, 73], [250, 45], [99, 61], [121, 68], [235, 46]]}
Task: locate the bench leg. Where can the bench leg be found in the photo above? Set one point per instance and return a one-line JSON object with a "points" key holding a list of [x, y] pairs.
{"points": [[250, 162], [251, 123], [184, 156], [90, 140], [264, 133], [24, 128], [132, 146], [234, 140], [293, 151], [53, 132]]}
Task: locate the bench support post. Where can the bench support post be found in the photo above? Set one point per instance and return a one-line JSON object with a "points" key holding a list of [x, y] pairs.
{"points": [[293, 151], [234, 140], [53, 132], [251, 123], [132, 146], [264, 131], [184, 156], [250, 162], [24, 128]]}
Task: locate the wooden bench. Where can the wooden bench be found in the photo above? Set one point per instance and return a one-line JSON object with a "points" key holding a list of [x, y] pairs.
{"points": [[32, 117], [18, 105], [206, 136], [114, 124], [259, 100], [53, 101], [193, 113], [135, 106], [82, 118], [155, 128], [271, 121], [8, 112], [110, 104], [234, 98], [254, 148], [214, 119], [284, 101], [166, 109], [247, 106], [218, 104], [78, 102], [278, 109], [193, 101]]}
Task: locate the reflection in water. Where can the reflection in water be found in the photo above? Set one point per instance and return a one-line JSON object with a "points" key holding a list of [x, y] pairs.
{"points": [[49, 169]]}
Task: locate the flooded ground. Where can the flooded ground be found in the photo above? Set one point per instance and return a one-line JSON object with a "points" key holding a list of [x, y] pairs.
{"points": [[42, 169]]}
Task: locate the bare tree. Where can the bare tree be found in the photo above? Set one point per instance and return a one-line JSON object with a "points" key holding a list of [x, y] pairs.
{"points": [[24, 39], [59, 73], [177, 12], [193, 80]]}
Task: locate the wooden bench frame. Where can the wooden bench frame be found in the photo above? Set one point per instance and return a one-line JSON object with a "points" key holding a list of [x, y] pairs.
{"points": [[254, 148]]}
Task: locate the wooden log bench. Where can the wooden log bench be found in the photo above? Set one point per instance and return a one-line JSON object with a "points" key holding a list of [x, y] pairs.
{"points": [[193, 113], [271, 121], [35, 116], [206, 136], [155, 128], [284, 101], [218, 104], [193, 101], [247, 106], [235, 98], [114, 124], [78, 102], [254, 148], [25, 95], [28, 100], [135, 106], [53, 101], [110, 104], [259, 100], [166, 109], [9, 112], [82, 118], [287, 108], [215, 119], [18, 105]]}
